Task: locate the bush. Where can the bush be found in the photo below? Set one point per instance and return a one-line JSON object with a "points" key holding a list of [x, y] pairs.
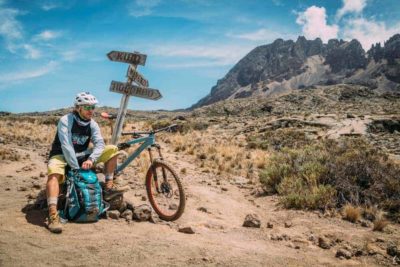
{"points": [[333, 174], [351, 213]]}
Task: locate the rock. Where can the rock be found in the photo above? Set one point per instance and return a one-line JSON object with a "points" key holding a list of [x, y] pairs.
{"points": [[116, 202], [392, 250], [288, 224], [186, 230], [142, 213], [122, 207], [365, 223], [144, 198], [203, 209], [22, 188], [350, 116], [270, 225], [127, 215], [7, 189], [32, 196], [343, 253], [42, 174], [324, 243], [113, 214], [252, 220], [36, 185], [130, 205], [173, 206], [155, 219]]}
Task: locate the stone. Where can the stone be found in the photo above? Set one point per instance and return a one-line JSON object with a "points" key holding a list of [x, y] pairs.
{"points": [[127, 215], [116, 202], [36, 185], [22, 188], [186, 230], [270, 225], [343, 253], [144, 198], [142, 213], [288, 224], [252, 220], [113, 214], [130, 205], [365, 223], [173, 206], [224, 189], [155, 219], [202, 209], [123, 206], [324, 242], [42, 174], [392, 250]]}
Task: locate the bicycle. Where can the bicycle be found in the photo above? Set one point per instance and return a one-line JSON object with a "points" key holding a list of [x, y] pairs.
{"points": [[163, 185]]}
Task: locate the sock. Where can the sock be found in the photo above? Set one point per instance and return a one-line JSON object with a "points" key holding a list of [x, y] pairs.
{"points": [[109, 176], [52, 204]]}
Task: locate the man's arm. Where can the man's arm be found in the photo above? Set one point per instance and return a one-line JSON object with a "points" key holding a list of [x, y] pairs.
{"points": [[97, 141], [64, 135]]}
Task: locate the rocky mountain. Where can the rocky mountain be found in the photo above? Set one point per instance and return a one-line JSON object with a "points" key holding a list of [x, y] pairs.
{"points": [[284, 66]]}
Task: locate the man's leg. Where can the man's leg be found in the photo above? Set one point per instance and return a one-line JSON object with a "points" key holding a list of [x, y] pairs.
{"points": [[109, 168], [55, 172], [52, 191], [109, 157]]}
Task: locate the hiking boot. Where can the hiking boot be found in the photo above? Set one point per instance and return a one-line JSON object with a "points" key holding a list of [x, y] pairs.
{"points": [[55, 225], [114, 191]]}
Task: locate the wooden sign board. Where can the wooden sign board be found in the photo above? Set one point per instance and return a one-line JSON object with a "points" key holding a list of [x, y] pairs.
{"points": [[128, 89], [131, 58], [137, 77]]}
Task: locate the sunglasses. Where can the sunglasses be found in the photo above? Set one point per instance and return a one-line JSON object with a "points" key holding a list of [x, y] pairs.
{"points": [[88, 107]]}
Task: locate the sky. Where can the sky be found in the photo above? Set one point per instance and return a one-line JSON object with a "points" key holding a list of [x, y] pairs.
{"points": [[50, 50]]}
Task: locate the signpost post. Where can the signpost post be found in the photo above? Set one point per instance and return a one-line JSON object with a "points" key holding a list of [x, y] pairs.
{"points": [[128, 89]]}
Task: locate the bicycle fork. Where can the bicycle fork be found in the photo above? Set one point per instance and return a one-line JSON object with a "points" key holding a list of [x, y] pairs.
{"points": [[165, 187]]}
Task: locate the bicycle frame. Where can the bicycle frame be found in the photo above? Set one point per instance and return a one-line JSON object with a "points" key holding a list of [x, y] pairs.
{"points": [[147, 142]]}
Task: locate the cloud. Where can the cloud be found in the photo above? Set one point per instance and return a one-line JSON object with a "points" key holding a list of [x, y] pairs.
{"points": [[28, 74], [141, 8], [47, 35], [31, 52], [368, 32], [200, 56], [351, 6], [315, 25], [264, 35], [70, 55], [10, 27]]}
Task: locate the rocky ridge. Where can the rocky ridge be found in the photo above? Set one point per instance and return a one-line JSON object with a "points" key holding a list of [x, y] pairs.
{"points": [[284, 66]]}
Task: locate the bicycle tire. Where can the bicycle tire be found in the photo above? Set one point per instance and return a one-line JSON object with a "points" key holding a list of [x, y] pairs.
{"points": [[150, 188]]}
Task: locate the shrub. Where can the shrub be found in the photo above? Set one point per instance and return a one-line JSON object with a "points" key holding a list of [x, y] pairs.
{"points": [[333, 174], [351, 213]]}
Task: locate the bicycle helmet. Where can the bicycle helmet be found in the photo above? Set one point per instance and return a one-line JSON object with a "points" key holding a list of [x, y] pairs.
{"points": [[85, 98]]}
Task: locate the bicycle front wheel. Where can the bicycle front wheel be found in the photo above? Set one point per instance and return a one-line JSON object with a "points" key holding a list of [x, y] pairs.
{"points": [[165, 191]]}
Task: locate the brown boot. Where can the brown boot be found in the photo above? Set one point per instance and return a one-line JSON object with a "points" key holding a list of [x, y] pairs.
{"points": [[112, 190], [55, 225]]}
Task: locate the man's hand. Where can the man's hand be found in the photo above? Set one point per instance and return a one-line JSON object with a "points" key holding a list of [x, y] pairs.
{"points": [[86, 165]]}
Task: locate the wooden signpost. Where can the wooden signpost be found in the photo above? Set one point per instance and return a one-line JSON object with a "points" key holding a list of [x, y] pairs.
{"points": [[129, 89]]}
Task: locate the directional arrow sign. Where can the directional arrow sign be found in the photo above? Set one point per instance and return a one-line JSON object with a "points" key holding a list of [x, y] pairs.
{"points": [[125, 88], [137, 77], [131, 58]]}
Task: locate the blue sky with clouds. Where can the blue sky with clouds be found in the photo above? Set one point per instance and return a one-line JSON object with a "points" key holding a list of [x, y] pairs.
{"points": [[51, 49]]}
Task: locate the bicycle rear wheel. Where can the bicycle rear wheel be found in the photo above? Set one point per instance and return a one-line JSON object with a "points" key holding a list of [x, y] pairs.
{"points": [[165, 191]]}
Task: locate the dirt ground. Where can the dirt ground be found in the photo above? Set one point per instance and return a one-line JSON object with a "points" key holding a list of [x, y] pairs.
{"points": [[219, 238]]}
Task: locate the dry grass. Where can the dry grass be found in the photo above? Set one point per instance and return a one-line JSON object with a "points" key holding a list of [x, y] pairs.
{"points": [[218, 153], [380, 221], [351, 213]]}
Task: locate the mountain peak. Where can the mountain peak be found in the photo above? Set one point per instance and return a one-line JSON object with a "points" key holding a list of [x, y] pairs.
{"points": [[285, 65]]}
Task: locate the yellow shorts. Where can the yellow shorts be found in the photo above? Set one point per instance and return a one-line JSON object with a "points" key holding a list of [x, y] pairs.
{"points": [[57, 163]]}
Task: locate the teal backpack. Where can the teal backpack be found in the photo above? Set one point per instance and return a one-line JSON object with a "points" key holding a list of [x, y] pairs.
{"points": [[83, 197]]}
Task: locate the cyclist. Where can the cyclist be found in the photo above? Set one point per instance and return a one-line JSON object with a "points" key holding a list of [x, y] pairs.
{"points": [[71, 146]]}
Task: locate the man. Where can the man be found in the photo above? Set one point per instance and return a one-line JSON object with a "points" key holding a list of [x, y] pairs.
{"points": [[70, 146]]}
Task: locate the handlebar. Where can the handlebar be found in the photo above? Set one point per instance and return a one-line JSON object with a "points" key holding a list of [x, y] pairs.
{"points": [[137, 134]]}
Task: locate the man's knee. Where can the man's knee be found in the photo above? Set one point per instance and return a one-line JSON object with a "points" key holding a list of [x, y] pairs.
{"points": [[54, 177]]}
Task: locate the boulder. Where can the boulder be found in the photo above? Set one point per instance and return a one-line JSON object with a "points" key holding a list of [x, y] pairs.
{"points": [[252, 220]]}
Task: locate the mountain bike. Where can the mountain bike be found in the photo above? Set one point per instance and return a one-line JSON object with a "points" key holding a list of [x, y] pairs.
{"points": [[163, 186]]}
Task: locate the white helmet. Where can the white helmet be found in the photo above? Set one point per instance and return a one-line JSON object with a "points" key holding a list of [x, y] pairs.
{"points": [[85, 98]]}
